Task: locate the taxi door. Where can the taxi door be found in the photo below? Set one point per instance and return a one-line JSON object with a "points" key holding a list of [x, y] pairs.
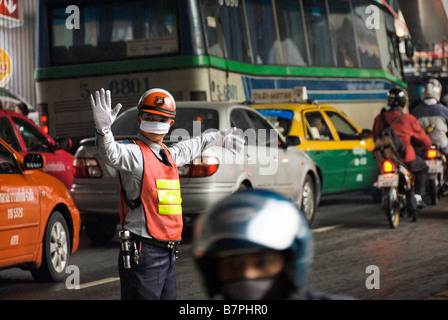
{"points": [[360, 165], [322, 146], [19, 212]]}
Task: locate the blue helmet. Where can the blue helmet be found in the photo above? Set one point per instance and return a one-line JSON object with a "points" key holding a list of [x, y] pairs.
{"points": [[253, 219]]}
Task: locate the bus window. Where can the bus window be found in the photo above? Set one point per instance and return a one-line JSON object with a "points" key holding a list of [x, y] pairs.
{"points": [[212, 28], [115, 31], [235, 34], [262, 30], [368, 48], [344, 38], [319, 36], [394, 64], [292, 36]]}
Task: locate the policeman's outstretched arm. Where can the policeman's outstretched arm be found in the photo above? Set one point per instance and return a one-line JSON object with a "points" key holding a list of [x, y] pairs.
{"points": [[230, 141], [185, 151], [103, 114]]}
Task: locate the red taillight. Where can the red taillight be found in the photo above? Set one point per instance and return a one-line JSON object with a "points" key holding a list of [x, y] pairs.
{"points": [[86, 168], [42, 109], [431, 154], [388, 167], [201, 167]]}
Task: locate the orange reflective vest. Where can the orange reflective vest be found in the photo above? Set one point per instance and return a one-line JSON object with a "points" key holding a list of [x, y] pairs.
{"points": [[160, 197]]}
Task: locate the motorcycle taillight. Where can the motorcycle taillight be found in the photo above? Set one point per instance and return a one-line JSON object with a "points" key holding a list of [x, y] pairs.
{"points": [[431, 154], [388, 167]]}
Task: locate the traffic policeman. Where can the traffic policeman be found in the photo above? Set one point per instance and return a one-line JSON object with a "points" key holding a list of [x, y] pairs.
{"points": [[150, 199]]}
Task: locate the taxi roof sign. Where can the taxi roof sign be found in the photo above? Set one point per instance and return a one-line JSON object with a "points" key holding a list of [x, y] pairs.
{"points": [[297, 94]]}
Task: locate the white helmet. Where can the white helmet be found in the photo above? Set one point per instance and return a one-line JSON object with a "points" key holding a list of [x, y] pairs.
{"points": [[432, 89]]}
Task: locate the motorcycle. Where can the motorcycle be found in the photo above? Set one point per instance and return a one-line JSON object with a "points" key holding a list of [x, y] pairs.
{"points": [[435, 160], [396, 184]]}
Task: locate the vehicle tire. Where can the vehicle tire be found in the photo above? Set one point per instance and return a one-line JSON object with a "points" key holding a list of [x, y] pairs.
{"points": [[244, 186], [308, 205], [392, 206], [55, 252], [433, 193], [411, 206], [101, 230], [376, 195]]}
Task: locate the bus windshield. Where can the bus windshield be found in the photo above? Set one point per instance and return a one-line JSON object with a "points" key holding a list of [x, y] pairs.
{"points": [[114, 31]]}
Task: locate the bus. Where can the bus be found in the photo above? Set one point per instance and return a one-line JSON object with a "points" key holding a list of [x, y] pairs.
{"points": [[212, 50]]}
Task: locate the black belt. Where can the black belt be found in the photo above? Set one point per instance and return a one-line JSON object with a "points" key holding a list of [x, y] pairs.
{"points": [[162, 244]]}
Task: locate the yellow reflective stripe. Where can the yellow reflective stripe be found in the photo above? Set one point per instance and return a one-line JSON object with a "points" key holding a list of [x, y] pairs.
{"points": [[169, 196], [170, 209], [167, 184]]}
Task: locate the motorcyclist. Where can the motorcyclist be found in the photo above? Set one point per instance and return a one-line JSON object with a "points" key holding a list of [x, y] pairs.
{"points": [[432, 114], [255, 245], [407, 128]]}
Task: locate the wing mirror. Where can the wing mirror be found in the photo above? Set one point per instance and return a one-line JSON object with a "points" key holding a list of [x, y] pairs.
{"points": [[293, 141], [365, 134], [409, 48], [34, 161], [64, 143]]}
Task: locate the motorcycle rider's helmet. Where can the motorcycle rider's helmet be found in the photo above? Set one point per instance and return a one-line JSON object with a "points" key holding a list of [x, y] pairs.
{"points": [[254, 220], [432, 89], [397, 97], [157, 101]]}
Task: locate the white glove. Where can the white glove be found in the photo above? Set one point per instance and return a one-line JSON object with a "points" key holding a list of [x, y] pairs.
{"points": [[103, 115], [230, 141]]}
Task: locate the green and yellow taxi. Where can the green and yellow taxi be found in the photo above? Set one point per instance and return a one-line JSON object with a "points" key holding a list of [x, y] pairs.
{"points": [[342, 152]]}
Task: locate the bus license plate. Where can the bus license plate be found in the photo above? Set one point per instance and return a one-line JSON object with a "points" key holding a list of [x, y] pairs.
{"points": [[388, 180], [435, 166]]}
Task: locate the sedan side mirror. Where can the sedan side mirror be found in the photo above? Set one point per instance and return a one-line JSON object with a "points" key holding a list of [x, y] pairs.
{"points": [[409, 47], [365, 134], [64, 143], [34, 161], [293, 141]]}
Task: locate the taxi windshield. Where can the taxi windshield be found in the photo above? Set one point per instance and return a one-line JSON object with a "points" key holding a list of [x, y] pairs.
{"points": [[281, 119]]}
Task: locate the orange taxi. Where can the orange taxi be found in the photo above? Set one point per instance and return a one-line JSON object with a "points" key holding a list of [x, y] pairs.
{"points": [[39, 222]]}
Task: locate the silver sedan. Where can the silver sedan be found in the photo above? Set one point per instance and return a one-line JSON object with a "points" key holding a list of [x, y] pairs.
{"points": [[269, 161]]}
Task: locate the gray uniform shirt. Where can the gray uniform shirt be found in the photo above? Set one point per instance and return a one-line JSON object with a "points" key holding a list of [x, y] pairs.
{"points": [[128, 159]]}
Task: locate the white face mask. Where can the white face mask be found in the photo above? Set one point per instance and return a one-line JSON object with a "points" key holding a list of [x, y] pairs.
{"points": [[247, 289], [155, 127]]}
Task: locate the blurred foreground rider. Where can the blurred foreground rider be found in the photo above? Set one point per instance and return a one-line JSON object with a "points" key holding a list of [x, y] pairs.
{"points": [[255, 245], [408, 129], [150, 199]]}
